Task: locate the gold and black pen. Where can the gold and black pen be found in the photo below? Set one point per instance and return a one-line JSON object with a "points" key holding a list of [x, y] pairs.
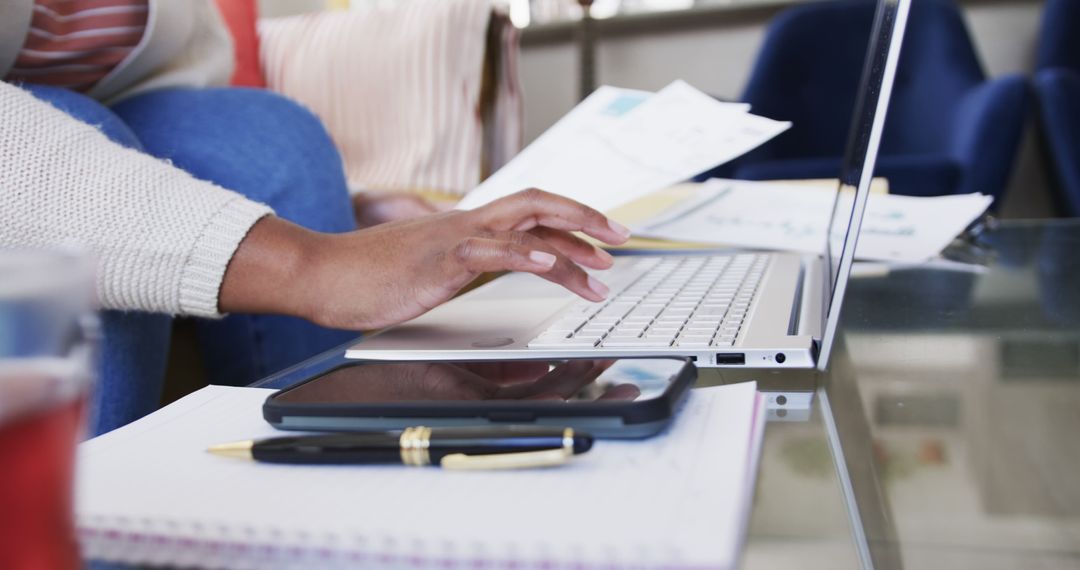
{"points": [[509, 447]]}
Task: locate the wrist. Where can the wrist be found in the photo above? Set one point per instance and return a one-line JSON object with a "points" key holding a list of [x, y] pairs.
{"points": [[266, 274]]}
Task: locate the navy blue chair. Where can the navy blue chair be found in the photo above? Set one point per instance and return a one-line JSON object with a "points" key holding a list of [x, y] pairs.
{"points": [[1059, 42], [1057, 88], [1058, 92], [949, 129]]}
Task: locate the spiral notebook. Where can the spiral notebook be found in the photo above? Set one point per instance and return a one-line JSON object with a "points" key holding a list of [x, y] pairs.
{"points": [[148, 493]]}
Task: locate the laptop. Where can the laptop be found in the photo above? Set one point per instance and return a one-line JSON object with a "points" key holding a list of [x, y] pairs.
{"points": [[732, 309]]}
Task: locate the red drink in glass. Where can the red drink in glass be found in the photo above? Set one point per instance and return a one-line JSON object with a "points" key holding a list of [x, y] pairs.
{"points": [[45, 377]]}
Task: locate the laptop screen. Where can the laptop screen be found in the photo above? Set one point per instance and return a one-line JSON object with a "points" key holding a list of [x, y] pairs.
{"points": [[857, 169]]}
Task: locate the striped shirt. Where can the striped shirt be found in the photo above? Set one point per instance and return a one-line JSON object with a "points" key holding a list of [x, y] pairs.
{"points": [[76, 43]]}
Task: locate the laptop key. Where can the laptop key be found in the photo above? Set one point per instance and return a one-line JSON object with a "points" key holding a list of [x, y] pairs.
{"points": [[565, 328], [633, 343]]}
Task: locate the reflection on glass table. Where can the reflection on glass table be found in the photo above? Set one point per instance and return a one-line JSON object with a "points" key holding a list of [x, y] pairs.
{"points": [[954, 406]]}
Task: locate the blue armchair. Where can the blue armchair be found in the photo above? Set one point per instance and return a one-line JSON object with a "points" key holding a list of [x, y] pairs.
{"points": [[1057, 88], [1059, 42], [949, 129]]}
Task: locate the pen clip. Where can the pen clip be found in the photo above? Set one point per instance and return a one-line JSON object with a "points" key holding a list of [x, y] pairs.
{"points": [[517, 460]]}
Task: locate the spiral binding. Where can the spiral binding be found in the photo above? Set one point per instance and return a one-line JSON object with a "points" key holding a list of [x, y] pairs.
{"points": [[154, 542]]}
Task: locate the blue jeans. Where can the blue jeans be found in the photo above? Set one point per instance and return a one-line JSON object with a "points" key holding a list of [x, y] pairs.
{"points": [[253, 142]]}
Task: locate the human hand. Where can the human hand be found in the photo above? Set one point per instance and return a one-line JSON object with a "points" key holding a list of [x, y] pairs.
{"points": [[374, 208], [393, 272]]}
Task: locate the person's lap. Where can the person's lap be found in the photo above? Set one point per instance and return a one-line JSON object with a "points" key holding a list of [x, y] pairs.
{"points": [[271, 150], [250, 141]]}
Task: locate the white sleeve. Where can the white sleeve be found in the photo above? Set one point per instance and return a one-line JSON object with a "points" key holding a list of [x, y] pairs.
{"points": [[162, 238]]}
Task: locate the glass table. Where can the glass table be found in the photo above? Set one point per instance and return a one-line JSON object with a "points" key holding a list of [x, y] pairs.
{"points": [[945, 432]]}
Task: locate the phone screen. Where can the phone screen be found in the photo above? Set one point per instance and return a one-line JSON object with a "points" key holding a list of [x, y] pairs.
{"points": [[567, 381]]}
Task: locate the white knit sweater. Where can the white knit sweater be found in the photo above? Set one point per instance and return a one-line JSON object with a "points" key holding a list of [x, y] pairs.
{"points": [[162, 238]]}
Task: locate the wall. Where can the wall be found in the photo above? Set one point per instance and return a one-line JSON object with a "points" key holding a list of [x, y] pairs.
{"points": [[275, 8], [717, 58]]}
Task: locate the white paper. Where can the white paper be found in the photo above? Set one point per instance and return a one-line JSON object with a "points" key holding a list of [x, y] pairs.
{"points": [[604, 106], [619, 145], [149, 492], [769, 215]]}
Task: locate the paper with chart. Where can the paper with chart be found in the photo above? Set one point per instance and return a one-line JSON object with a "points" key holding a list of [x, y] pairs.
{"points": [[619, 144], [149, 492], [770, 215]]}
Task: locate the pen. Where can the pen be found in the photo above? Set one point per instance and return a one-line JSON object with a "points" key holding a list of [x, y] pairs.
{"points": [[449, 448]]}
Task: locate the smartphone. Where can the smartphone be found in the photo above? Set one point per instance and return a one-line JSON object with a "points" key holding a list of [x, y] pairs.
{"points": [[609, 398]]}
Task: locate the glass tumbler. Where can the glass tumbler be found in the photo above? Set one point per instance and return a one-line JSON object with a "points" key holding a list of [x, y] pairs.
{"points": [[47, 332]]}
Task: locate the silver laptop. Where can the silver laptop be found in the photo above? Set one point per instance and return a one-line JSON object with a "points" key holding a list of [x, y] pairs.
{"points": [[742, 309]]}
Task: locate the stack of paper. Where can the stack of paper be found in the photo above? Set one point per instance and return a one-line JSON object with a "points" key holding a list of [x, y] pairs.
{"points": [[619, 144], [769, 215], [148, 493]]}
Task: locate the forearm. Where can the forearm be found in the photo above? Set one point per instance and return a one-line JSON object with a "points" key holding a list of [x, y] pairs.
{"points": [[266, 274], [162, 238]]}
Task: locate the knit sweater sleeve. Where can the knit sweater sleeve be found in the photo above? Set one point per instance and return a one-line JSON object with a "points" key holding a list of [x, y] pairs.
{"points": [[162, 238]]}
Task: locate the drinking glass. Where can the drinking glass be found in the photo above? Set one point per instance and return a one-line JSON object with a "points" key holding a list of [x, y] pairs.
{"points": [[47, 332]]}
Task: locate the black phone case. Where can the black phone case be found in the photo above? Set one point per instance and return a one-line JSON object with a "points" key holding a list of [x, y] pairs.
{"points": [[498, 411]]}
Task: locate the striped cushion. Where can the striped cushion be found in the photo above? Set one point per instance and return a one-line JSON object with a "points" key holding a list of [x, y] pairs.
{"points": [[399, 89]]}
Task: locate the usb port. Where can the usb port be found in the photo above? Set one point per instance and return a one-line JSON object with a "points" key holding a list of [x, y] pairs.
{"points": [[731, 358]]}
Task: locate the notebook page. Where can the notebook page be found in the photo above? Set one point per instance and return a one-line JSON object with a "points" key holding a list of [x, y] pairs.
{"points": [[150, 493]]}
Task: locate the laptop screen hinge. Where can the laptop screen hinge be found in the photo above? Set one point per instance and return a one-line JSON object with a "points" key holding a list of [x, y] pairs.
{"points": [[796, 306]]}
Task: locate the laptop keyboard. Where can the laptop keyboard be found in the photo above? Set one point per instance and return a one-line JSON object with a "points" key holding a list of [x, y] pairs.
{"points": [[683, 302]]}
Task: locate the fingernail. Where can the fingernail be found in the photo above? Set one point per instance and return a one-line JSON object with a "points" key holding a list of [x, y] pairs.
{"points": [[604, 255], [598, 287], [542, 257], [619, 228]]}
